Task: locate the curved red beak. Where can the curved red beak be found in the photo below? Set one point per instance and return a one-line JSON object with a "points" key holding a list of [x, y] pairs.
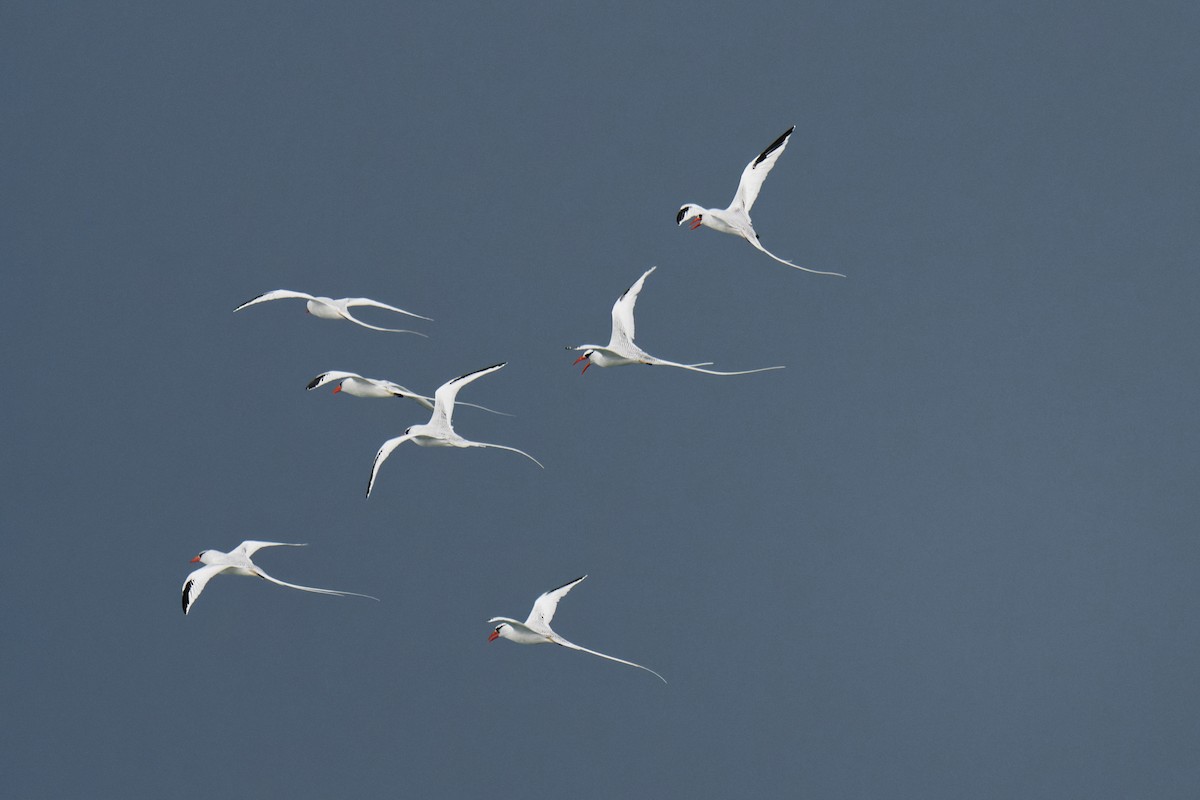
{"points": [[585, 366], [337, 388], [194, 560], [696, 223], [495, 635]]}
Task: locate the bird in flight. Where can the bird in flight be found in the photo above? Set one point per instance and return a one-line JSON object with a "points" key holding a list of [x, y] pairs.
{"points": [[736, 218], [329, 308], [621, 350], [536, 628], [356, 385], [438, 432], [237, 562]]}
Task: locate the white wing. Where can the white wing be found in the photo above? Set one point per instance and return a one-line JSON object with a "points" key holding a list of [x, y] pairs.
{"points": [[194, 584], [559, 640], [401, 391], [622, 314], [277, 294], [754, 241], [756, 172], [366, 301], [267, 577], [545, 606], [327, 377], [443, 398], [250, 547], [382, 455]]}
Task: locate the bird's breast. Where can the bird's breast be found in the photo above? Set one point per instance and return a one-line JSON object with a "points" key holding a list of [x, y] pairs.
{"points": [[603, 359], [364, 389], [719, 223], [318, 309]]}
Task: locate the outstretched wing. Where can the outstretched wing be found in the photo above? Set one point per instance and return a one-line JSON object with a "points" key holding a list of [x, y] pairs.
{"points": [[443, 398], [559, 640], [545, 606], [622, 314], [195, 582], [382, 456], [250, 547], [277, 294], [401, 391], [366, 301], [258, 571], [756, 172]]}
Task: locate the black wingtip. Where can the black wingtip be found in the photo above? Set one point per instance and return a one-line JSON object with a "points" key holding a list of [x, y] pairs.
{"points": [[313, 383], [775, 145], [568, 583], [187, 588], [679, 216], [248, 302]]}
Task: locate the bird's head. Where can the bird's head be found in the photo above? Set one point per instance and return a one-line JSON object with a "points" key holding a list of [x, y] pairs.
{"points": [[499, 631], [688, 211], [587, 355], [201, 558]]}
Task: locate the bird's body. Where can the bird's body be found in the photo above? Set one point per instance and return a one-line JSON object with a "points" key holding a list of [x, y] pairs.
{"points": [[735, 219], [330, 308], [536, 628], [238, 562], [439, 432], [356, 385], [621, 350]]}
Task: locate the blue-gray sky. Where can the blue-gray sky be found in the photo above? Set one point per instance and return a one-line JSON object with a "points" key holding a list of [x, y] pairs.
{"points": [[950, 551]]}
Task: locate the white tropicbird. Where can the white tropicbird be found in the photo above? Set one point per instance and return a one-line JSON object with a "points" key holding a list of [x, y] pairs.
{"points": [[438, 432], [621, 350], [237, 562], [736, 218], [536, 629], [328, 308], [356, 385]]}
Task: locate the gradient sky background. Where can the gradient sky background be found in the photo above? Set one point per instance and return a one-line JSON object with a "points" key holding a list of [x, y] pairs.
{"points": [[951, 551]]}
